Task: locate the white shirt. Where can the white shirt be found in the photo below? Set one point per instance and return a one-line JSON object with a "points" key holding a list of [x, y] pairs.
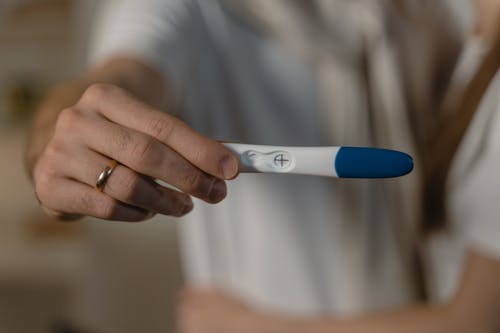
{"points": [[275, 240], [472, 188]]}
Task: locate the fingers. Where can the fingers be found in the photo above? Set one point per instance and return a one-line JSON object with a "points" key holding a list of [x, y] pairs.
{"points": [[77, 198], [126, 185], [107, 123], [122, 108], [148, 156]]}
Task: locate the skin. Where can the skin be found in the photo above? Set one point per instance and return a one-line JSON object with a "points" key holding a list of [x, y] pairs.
{"points": [[474, 308], [487, 14], [111, 112], [115, 111]]}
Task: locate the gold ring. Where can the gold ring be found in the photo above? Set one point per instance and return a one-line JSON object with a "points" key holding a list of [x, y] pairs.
{"points": [[104, 175]]}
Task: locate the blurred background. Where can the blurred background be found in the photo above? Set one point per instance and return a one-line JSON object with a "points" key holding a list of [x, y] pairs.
{"points": [[50, 272], [67, 277]]}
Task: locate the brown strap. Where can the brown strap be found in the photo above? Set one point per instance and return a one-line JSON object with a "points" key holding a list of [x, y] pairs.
{"points": [[438, 157]]}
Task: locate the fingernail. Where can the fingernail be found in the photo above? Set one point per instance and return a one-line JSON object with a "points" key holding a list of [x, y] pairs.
{"points": [[230, 167], [218, 191], [187, 209], [187, 206]]}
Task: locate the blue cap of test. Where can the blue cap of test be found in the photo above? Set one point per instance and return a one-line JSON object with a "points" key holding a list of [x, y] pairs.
{"points": [[363, 162]]}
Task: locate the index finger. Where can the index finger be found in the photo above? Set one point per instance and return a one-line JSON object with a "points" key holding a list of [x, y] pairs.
{"points": [[122, 108]]}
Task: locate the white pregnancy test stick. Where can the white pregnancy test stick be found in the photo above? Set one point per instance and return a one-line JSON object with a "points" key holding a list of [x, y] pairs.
{"points": [[340, 162]]}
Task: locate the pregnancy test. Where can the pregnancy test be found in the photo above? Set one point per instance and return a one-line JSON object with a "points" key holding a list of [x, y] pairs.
{"points": [[339, 162]]}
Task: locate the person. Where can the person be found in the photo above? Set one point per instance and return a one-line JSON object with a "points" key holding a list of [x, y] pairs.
{"points": [[280, 254]]}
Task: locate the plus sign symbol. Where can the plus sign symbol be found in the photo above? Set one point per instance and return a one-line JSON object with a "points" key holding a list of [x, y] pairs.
{"points": [[281, 160]]}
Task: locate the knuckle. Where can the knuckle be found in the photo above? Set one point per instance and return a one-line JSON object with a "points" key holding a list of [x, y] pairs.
{"points": [[106, 209], [44, 176], [143, 153], [68, 119], [52, 153], [56, 154], [53, 149], [193, 181], [97, 91], [123, 139], [161, 128], [88, 203], [43, 187]]}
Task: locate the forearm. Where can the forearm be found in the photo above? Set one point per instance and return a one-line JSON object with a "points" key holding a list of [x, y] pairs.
{"points": [[474, 308], [418, 319], [126, 73]]}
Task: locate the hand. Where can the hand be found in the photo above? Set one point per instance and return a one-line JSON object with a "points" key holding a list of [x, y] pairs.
{"points": [[474, 308], [108, 123], [212, 311], [209, 311]]}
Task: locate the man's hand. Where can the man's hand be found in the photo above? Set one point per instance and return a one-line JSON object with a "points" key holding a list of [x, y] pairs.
{"points": [[474, 308], [109, 123], [212, 311], [208, 311]]}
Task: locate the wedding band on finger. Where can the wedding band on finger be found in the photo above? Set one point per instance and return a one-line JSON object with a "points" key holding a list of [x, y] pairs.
{"points": [[104, 175]]}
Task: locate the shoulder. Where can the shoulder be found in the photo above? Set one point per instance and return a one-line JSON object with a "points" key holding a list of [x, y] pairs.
{"points": [[141, 29]]}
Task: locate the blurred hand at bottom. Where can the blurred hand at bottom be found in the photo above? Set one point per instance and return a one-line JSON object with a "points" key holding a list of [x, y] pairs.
{"points": [[211, 311]]}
